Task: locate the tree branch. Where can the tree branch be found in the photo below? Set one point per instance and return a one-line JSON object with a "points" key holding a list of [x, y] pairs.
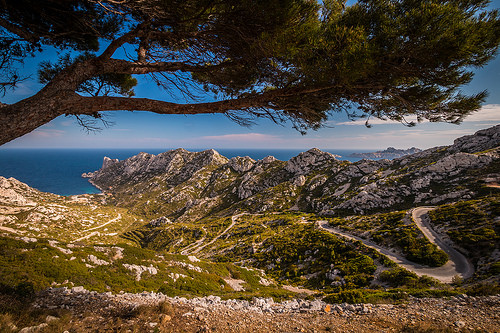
{"points": [[117, 43], [92, 105], [26, 35], [120, 66]]}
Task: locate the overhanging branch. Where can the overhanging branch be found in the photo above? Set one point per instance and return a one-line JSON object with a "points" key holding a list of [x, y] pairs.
{"points": [[92, 105], [26, 35], [120, 41], [119, 66]]}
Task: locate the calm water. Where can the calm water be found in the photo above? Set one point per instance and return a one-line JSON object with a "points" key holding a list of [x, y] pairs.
{"points": [[59, 170]]}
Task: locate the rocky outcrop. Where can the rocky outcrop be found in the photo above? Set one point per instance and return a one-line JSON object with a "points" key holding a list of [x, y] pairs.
{"points": [[162, 220], [179, 165], [456, 162], [241, 164], [480, 141], [13, 192], [310, 160], [107, 162], [139, 269]]}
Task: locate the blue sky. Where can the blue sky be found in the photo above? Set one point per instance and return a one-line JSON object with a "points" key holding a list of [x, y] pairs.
{"points": [[148, 130]]}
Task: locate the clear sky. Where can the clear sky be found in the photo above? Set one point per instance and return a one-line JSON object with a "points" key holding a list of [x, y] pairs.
{"points": [[148, 130]]}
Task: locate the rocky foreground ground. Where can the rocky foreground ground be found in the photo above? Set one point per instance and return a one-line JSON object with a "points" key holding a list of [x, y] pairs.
{"points": [[77, 310]]}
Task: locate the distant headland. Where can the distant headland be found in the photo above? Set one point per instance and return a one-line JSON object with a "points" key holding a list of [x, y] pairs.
{"points": [[389, 153]]}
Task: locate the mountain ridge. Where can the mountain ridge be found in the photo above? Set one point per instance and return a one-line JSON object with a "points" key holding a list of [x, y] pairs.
{"points": [[388, 153], [182, 182]]}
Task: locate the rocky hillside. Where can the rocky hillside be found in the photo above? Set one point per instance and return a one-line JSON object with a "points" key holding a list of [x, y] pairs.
{"points": [[52, 240], [26, 212], [187, 186], [389, 153]]}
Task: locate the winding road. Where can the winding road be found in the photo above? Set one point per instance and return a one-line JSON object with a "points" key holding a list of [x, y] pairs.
{"points": [[457, 265]]}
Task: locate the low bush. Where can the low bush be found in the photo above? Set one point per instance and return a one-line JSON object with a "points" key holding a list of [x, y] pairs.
{"points": [[483, 289], [397, 277]]}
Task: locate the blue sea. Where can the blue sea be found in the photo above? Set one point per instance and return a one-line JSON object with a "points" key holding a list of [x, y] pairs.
{"points": [[59, 170]]}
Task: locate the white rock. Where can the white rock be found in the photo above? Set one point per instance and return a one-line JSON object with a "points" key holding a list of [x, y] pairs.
{"points": [[193, 259], [299, 181], [139, 269], [99, 262], [241, 164], [34, 329]]}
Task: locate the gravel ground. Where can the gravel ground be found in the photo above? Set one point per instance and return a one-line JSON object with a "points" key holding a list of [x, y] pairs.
{"points": [[149, 312]]}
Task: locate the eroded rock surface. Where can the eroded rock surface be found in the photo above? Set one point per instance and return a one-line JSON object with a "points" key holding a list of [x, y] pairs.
{"points": [[182, 185]]}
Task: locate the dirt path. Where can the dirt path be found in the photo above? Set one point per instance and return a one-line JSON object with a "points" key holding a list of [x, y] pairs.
{"points": [[102, 225], [233, 222], [299, 290], [94, 233], [188, 249], [14, 231], [457, 265]]}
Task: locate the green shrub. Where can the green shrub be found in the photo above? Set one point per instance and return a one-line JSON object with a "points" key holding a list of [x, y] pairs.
{"points": [[305, 250], [494, 268], [25, 289], [483, 289], [426, 253], [390, 296], [435, 293], [398, 277]]}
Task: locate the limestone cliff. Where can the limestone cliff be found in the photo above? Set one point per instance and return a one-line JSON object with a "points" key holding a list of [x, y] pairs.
{"points": [[187, 186]]}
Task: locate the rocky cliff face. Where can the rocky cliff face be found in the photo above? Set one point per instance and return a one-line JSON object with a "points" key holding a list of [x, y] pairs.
{"points": [[176, 166], [15, 193], [184, 185], [480, 141]]}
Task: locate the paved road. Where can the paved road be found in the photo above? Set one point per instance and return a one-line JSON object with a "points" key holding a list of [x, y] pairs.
{"points": [[457, 265]]}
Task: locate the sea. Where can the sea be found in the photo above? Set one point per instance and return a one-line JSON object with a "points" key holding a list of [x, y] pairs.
{"points": [[59, 170]]}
